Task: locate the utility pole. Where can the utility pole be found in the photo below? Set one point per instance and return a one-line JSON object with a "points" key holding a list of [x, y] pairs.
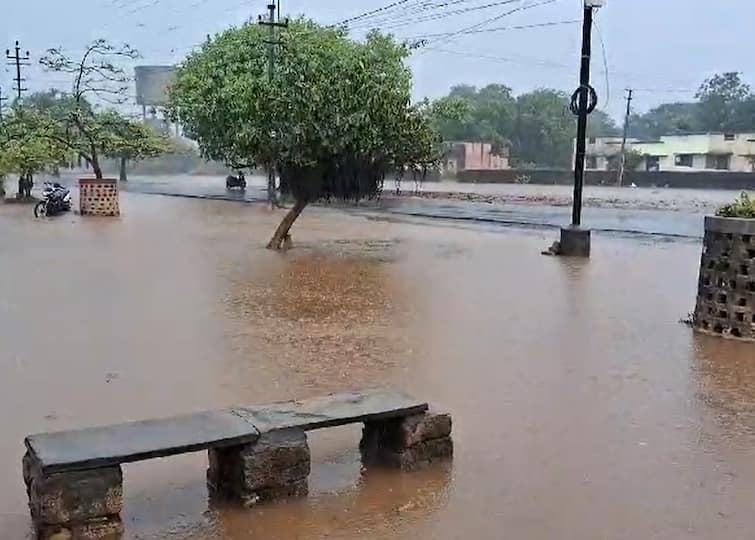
{"points": [[575, 241], [2, 100], [622, 165], [272, 42], [18, 60]]}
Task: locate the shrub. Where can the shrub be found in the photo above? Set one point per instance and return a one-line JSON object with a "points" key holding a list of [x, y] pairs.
{"points": [[744, 207]]}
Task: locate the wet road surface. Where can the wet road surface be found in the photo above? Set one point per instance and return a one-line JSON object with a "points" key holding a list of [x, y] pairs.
{"points": [[582, 408], [613, 211]]}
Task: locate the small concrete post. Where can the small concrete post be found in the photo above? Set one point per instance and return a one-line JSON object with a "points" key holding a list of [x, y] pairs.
{"points": [[74, 505], [575, 242], [275, 467], [408, 443]]}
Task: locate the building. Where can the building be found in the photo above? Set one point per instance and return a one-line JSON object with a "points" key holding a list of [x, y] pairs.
{"points": [[734, 152], [462, 156]]}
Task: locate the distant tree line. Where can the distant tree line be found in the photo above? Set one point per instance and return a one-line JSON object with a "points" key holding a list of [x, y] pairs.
{"points": [[539, 129], [724, 103]]}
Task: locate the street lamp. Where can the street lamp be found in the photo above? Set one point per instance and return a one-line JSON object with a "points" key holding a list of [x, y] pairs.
{"points": [[575, 240]]}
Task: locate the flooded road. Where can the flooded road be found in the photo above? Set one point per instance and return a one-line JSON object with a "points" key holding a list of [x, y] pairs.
{"points": [[672, 213], [582, 408]]}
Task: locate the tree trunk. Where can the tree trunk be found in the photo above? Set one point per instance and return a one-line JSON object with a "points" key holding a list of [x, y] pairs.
{"points": [[96, 169], [123, 177], [282, 235]]}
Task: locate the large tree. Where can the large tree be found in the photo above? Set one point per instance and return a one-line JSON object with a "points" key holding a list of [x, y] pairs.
{"points": [[73, 120], [335, 117], [666, 119], [545, 129], [26, 148], [720, 103], [132, 141]]}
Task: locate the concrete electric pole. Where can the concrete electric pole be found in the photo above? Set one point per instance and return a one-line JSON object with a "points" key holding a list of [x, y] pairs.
{"points": [[622, 165], [18, 60], [272, 42]]}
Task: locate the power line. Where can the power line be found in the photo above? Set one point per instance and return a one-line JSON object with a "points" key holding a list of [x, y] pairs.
{"points": [[486, 22], [390, 6], [525, 60], [418, 7], [605, 64], [433, 17], [503, 28]]}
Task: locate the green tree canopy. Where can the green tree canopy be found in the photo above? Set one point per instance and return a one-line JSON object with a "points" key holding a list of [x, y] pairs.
{"points": [[333, 120], [26, 148], [71, 120], [537, 126], [725, 103], [720, 103]]}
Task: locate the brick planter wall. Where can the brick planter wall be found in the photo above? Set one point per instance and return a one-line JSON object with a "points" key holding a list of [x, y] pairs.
{"points": [[98, 197], [726, 289]]}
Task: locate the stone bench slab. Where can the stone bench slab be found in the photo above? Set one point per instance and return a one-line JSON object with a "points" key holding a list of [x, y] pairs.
{"points": [[99, 447], [333, 410], [136, 441]]}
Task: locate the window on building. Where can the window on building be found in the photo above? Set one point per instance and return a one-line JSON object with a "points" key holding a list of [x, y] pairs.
{"points": [[684, 160], [719, 163], [730, 137], [653, 164], [592, 162]]}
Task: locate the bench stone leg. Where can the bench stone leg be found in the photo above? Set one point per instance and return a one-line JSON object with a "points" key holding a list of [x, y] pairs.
{"points": [[407, 443], [75, 505], [276, 466]]}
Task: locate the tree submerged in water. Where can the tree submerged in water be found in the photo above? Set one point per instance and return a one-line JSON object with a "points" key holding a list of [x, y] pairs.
{"points": [[333, 121]]}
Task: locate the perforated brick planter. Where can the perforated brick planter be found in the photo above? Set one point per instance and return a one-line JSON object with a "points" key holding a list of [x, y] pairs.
{"points": [[726, 289], [98, 197]]}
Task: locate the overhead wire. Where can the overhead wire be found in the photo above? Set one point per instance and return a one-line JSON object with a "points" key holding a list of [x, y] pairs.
{"points": [[418, 7], [504, 28], [392, 5], [605, 64], [404, 21]]}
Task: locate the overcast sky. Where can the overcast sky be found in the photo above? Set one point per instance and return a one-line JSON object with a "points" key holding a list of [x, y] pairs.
{"points": [[663, 48]]}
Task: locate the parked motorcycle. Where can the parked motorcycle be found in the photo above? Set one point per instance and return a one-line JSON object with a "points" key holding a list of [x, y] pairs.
{"points": [[56, 199], [239, 182]]}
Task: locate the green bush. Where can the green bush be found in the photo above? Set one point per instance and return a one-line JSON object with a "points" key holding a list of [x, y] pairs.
{"points": [[744, 207]]}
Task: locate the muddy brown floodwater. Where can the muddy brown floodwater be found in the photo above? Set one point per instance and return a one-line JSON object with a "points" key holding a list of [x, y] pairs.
{"points": [[582, 408]]}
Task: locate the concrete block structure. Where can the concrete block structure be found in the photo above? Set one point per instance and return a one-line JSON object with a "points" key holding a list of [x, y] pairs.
{"points": [[276, 466], [74, 505], [98, 197], [407, 443], [726, 290]]}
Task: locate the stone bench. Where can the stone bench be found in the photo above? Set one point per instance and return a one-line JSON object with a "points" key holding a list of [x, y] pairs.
{"points": [[75, 483]]}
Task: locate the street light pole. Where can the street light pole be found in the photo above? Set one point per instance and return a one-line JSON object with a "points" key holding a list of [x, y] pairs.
{"points": [[575, 240], [582, 112]]}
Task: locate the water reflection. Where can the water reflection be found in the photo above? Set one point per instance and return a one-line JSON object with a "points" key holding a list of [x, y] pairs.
{"points": [[726, 377], [380, 505], [326, 321]]}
